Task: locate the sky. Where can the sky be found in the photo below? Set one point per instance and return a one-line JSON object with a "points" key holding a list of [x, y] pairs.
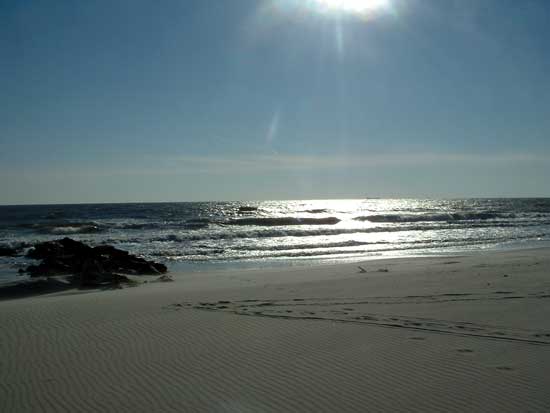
{"points": [[190, 100]]}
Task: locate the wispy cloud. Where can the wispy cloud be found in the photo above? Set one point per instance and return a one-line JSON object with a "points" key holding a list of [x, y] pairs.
{"points": [[255, 163], [265, 164]]}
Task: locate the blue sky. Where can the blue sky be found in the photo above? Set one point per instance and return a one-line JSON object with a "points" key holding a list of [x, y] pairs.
{"points": [[182, 100]]}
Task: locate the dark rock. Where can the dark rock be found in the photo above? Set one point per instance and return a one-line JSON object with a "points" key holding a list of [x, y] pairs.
{"points": [[110, 251], [35, 270], [58, 248], [160, 267], [117, 278], [316, 211], [92, 272], [139, 266], [164, 278], [75, 247], [247, 209], [93, 266], [45, 249], [7, 252]]}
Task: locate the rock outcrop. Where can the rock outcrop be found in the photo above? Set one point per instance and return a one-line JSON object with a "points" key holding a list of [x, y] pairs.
{"points": [[247, 209], [90, 265], [7, 251]]}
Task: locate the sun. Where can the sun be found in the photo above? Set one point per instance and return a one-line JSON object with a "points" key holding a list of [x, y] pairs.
{"points": [[354, 6]]}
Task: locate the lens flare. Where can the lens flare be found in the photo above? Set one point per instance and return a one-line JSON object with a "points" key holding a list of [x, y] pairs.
{"points": [[354, 6]]}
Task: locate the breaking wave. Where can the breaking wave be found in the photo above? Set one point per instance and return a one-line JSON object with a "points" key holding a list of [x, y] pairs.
{"points": [[283, 247], [291, 232], [450, 217], [221, 231], [284, 221], [316, 211], [189, 224], [65, 228]]}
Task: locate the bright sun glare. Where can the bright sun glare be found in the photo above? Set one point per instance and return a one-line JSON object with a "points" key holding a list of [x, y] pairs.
{"points": [[354, 6]]}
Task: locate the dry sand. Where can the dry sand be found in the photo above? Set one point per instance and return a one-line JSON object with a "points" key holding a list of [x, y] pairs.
{"points": [[418, 334]]}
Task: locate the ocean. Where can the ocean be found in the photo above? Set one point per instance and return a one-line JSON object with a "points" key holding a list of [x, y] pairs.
{"points": [[196, 236]]}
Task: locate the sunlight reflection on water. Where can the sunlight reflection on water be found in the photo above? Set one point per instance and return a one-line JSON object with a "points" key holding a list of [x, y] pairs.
{"points": [[231, 234]]}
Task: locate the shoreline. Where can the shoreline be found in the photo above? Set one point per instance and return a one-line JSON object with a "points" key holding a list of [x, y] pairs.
{"points": [[9, 275], [450, 333], [284, 273], [283, 263], [207, 236]]}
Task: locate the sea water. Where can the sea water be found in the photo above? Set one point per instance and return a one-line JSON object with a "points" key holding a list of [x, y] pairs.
{"points": [[195, 236]]}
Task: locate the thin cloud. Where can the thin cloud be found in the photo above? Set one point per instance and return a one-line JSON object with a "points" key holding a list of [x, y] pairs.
{"points": [[261, 163], [266, 163]]}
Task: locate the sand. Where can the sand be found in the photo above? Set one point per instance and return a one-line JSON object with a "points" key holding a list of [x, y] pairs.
{"points": [[468, 333]]}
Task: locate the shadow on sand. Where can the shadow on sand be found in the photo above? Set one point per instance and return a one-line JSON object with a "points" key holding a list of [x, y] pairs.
{"points": [[43, 286]]}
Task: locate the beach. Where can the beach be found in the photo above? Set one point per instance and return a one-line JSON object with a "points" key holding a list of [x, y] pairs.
{"points": [[441, 333], [268, 206]]}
